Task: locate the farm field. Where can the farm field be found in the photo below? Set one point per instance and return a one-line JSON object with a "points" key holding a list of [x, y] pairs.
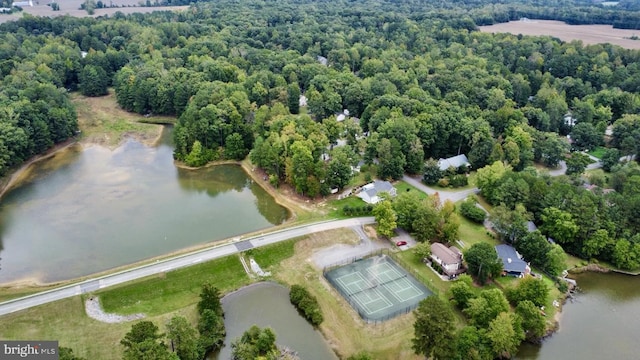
{"points": [[589, 34], [72, 8]]}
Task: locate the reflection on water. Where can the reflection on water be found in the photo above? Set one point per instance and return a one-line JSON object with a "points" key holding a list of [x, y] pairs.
{"points": [[601, 323], [267, 305], [85, 211]]}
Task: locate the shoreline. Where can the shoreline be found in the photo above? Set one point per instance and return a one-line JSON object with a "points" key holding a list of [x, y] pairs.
{"points": [[36, 284], [15, 176]]}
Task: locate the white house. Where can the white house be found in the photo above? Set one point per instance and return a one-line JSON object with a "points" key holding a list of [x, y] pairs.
{"points": [[449, 259], [569, 120], [454, 161], [370, 192]]}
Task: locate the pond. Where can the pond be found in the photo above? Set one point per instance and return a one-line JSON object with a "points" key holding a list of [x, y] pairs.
{"points": [[88, 210], [267, 305], [601, 322]]}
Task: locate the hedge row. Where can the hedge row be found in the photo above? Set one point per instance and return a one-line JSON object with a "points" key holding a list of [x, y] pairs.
{"points": [[306, 304]]}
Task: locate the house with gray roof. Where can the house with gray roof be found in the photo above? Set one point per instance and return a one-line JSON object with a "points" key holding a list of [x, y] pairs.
{"points": [[512, 263], [370, 193], [454, 161], [449, 259]]}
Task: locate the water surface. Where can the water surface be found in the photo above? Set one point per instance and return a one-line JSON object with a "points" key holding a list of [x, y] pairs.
{"points": [[602, 322], [85, 211], [267, 305]]}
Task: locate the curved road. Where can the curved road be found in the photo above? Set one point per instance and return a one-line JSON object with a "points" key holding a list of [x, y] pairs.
{"points": [[444, 195], [176, 262]]}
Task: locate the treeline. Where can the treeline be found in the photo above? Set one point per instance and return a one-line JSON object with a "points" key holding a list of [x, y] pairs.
{"points": [[144, 341], [417, 84], [594, 220], [306, 304]]}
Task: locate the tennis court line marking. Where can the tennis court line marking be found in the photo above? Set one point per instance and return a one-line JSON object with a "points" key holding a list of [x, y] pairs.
{"points": [[381, 276], [348, 286], [372, 300], [395, 294]]}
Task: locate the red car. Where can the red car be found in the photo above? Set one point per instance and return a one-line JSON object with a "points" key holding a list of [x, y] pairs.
{"points": [[401, 243]]}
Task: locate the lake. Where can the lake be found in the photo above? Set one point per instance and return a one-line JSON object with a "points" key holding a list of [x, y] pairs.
{"points": [[267, 305], [89, 210], [602, 322]]}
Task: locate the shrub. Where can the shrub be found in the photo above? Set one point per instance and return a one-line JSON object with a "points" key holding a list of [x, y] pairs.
{"points": [[458, 181], [306, 304], [443, 182], [469, 210]]}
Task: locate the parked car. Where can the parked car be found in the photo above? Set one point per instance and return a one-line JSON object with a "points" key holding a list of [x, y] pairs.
{"points": [[401, 243]]}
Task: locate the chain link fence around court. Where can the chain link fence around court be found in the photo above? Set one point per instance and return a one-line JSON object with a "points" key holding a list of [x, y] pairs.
{"points": [[376, 287]]}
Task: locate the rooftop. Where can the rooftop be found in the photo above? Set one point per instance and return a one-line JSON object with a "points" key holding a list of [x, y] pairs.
{"points": [[455, 161], [511, 261], [447, 255]]}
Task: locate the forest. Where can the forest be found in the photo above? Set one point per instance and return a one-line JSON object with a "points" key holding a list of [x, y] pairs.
{"points": [[417, 83], [411, 81]]}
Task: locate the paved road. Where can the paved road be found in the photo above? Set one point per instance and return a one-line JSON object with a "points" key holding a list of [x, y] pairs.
{"points": [[176, 262], [454, 196]]}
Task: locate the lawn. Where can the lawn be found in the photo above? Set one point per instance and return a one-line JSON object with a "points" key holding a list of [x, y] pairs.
{"points": [[336, 207], [163, 296], [174, 290], [471, 233], [598, 152], [402, 187], [409, 261], [342, 327], [353, 201], [267, 257]]}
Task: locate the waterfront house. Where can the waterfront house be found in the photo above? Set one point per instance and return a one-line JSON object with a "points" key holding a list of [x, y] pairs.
{"points": [[512, 263]]}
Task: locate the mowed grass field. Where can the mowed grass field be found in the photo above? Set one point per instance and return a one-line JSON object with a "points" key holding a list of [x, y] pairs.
{"points": [[588, 34]]}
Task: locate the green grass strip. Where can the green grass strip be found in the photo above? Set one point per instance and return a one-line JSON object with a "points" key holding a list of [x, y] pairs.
{"points": [[174, 290]]}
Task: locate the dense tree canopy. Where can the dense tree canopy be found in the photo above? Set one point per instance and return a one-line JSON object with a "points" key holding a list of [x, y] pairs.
{"points": [[422, 82]]}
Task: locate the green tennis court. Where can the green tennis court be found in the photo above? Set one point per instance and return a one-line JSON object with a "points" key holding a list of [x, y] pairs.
{"points": [[378, 288]]}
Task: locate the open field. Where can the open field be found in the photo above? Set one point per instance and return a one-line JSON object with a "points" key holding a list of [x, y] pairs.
{"points": [[72, 8], [103, 122], [589, 34]]}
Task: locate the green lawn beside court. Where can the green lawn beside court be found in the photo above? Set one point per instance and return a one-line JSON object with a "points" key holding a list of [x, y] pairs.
{"points": [[271, 255], [174, 290]]}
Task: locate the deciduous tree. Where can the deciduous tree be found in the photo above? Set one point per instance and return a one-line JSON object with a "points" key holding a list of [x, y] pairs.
{"points": [[183, 339], [433, 329], [385, 217], [482, 261]]}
